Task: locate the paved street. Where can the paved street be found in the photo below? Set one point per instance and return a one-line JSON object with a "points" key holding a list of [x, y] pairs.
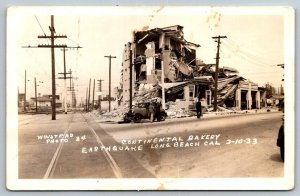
{"points": [[78, 145]]}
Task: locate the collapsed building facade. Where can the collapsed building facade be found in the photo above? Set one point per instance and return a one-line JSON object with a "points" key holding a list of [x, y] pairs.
{"points": [[235, 91], [162, 58]]}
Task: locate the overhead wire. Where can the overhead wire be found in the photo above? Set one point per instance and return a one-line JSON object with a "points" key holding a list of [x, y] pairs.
{"points": [[39, 24], [41, 27], [259, 74], [244, 56], [73, 41], [245, 47], [251, 52]]}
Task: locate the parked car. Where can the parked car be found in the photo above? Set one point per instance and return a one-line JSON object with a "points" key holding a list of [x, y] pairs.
{"points": [[141, 111]]}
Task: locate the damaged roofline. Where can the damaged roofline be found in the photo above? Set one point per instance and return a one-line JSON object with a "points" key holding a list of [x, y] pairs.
{"points": [[168, 32]]}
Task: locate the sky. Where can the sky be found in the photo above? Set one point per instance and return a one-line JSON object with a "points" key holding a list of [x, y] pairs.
{"points": [[254, 44]]}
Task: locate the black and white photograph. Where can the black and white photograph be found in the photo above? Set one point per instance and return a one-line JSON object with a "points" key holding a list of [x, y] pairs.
{"points": [[150, 98]]}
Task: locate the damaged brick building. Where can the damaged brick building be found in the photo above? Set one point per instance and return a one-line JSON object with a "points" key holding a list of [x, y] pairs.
{"points": [[161, 57], [163, 50], [234, 90]]}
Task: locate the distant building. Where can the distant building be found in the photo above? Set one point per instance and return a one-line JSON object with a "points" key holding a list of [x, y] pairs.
{"points": [[45, 102], [21, 99]]}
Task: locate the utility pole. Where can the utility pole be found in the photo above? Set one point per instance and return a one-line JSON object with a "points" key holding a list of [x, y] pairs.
{"points": [[52, 37], [71, 88], [162, 47], [52, 46], [99, 97], [53, 70], [88, 102], [93, 95], [163, 99], [36, 109], [130, 79], [217, 39], [109, 89], [74, 102], [65, 81], [25, 94], [70, 71]]}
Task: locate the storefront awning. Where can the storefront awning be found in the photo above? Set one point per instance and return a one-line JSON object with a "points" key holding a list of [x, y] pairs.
{"points": [[174, 87]]}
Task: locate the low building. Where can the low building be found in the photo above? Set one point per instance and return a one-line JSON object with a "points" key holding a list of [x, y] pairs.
{"points": [[21, 100], [44, 102]]}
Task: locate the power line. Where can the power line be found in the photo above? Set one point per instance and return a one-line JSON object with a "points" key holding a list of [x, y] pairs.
{"points": [[251, 50], [247, 51], [243, 56], [73, 41], [40, 25], [247, 58]]}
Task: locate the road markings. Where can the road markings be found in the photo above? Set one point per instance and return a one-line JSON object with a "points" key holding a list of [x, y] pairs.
{"points": [[112, 163], [51, 168]]}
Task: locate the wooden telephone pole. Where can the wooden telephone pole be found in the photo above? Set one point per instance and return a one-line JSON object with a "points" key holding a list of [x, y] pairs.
{"points": [[35, 93], [100, 90], [109, 89], [217, 39], [65, 81], [25, 93], [93, 102], [130, 79], [52, 37], [88, 102], [72, 89]]}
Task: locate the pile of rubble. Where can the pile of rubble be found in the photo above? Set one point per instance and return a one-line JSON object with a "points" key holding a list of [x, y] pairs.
{"points": [[146, 92], [174, 112], [114, 115]]}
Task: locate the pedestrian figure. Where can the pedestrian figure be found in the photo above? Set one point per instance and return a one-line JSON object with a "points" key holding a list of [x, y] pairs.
{"points": [[157, 111], [151, 112], [199, 108]]}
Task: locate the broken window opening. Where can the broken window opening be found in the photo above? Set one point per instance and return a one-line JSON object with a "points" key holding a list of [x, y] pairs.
{"points": [[174, 96], [157, 64], [243, 99]]}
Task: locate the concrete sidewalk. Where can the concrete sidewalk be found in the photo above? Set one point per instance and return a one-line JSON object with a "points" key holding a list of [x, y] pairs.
{"points": [[206, 115]]}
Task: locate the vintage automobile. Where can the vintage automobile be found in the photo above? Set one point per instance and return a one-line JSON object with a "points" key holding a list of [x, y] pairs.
{"points": [[141, 111]]}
